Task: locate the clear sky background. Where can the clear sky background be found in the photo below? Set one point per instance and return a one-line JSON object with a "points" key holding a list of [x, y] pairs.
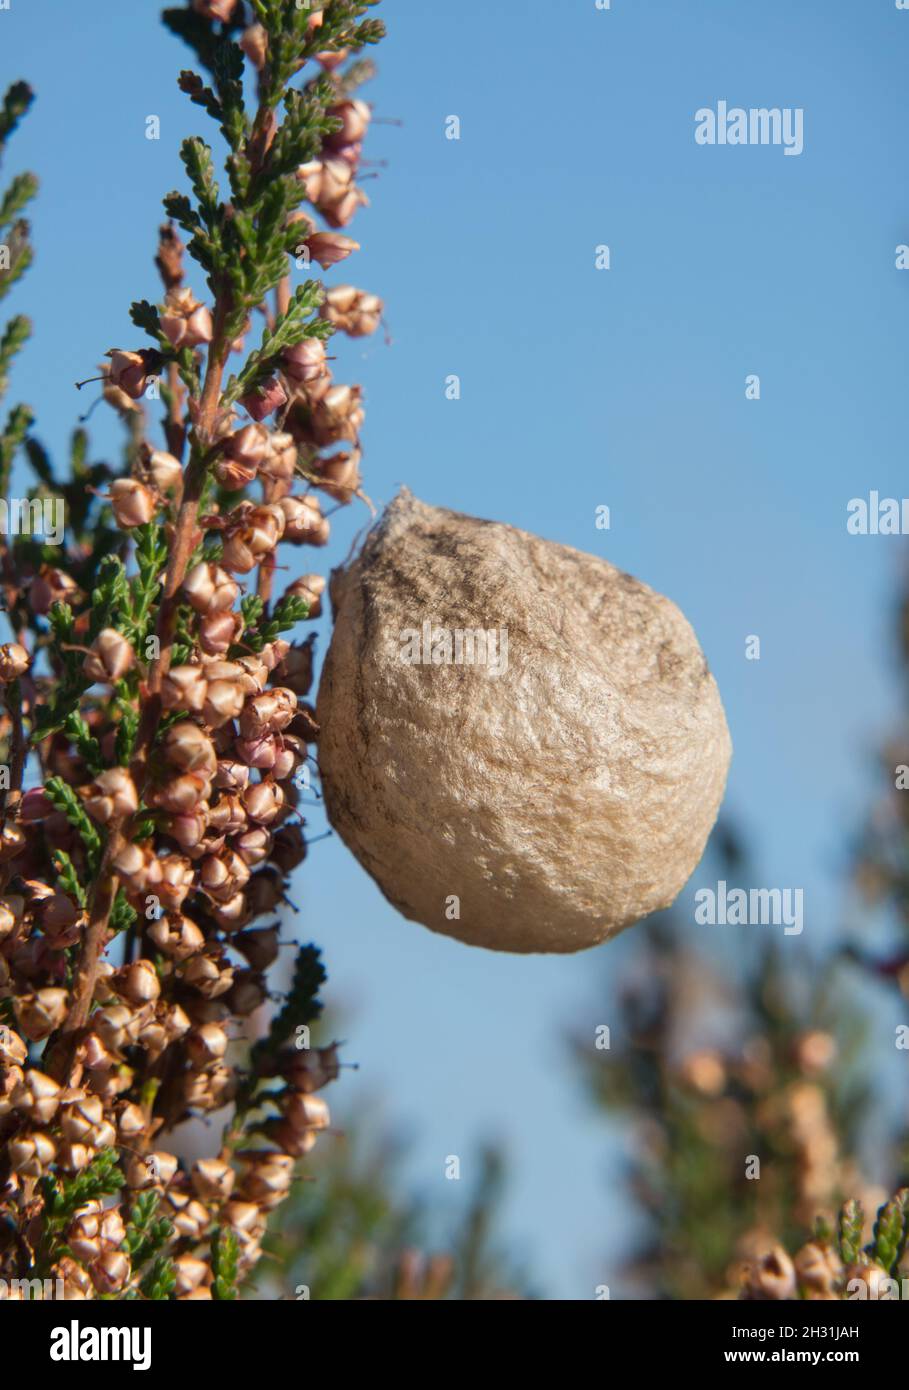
{"points": [[579, 388]]}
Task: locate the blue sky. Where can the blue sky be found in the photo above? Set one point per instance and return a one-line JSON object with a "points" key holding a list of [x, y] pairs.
{"points": [[580, 388]]}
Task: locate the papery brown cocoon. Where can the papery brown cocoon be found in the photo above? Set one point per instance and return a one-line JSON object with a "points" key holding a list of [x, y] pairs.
{"points": [[542, 802]]}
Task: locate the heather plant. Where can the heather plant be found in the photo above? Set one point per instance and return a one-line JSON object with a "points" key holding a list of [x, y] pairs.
{"points": [[157, 739], [742, 1087]]}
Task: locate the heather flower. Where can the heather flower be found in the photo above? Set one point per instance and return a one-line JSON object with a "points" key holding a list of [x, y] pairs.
{"points": [[14, 661], [185, 322], [266, 398], [132, 503], [129, 371]]}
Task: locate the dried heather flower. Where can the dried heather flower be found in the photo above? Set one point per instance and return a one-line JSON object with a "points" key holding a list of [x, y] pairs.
{"points": [[109, 658], [14, 661], [185, 322]]}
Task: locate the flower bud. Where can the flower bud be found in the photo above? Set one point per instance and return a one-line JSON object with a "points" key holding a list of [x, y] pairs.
{"points": [[268, 713], [218, 632], [132, 863], [60, 919], [14, 661], [295, 1143], [13, 1050], [311, 588], [184, 688], [183, 795], [40, 1014], [191, 1273], [289, 848], [248, 446], [132, 502], [305, 362], [36, 806], [208, 976], [247, 993], [281, 461], [210, 589], [263, 801], [185, 322], [111, 1272], [224, 701], [223, 875], [209, 1090], [37, 1096], [268, 1179], [339, 476], [151, 1170], [176, 937], [206, 1045], [296, 670], [171, 880], [190, 1218], [215, 9], [166, 471], [31, 1154], [254, 846], [355, 117], [12, 909], [352, 311], [309, 1069], [51, 586], [772, 1276], [111, 796], [79, 1119], [305, 1111], [234, 913], [268, 396], [213, 1179], [259, 947], [189, 748], [818, 1268], [176, 1023], [254, 42], [130, 1122], [137, 982], [109, 658], [330, 248], [303, 520], [129, 371]]}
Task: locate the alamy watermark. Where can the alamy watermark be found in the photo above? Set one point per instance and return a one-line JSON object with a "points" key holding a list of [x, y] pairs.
{"points": [[435, 645], [751, 907], [34, 516], [878, 516], [759, 125], [31, 1290]]}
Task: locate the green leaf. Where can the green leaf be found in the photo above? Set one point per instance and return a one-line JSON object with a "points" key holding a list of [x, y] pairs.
{"points": [[123, 915], [890, 1231], [63, 797], [160, 1281], [20, 193], [102, 1178], [16, 102], [225, 1259], [302, 1004], [849, 1231], [15, 336], [78, 732], [291, 328], [68, 878]]}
